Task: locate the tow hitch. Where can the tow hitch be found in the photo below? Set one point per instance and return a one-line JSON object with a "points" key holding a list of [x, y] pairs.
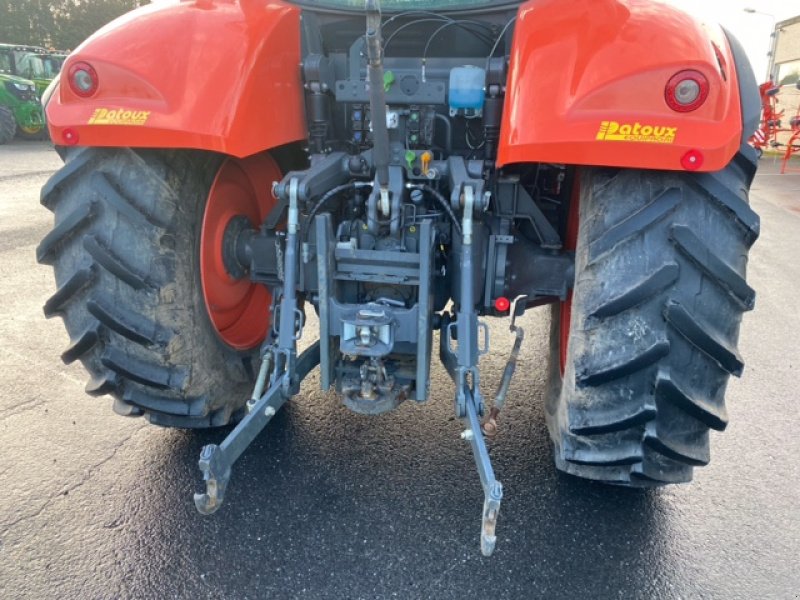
{"points": [[373, 286], [464, 339]]}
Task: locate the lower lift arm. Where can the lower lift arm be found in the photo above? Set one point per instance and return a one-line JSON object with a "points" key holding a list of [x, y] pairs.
{"points": [[462, 365], [287, 372]]}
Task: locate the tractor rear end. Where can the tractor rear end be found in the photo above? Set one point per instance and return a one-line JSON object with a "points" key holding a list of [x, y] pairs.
{"points": [[402, 175]]}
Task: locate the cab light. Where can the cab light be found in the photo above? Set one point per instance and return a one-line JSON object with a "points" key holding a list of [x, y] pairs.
{"points": [[686, 91], [83, 79]]}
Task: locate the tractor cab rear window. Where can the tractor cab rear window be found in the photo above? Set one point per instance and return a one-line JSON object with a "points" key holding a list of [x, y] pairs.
{"points": [[33, 67]]}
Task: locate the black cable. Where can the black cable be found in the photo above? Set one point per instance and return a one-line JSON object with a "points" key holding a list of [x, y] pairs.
{"points": [[430, 39], [462, 23], [408, 13], [456, 22], [497, 41], [442, 202], [354, 185], [438, 17], [469, 136], [449, 132]]}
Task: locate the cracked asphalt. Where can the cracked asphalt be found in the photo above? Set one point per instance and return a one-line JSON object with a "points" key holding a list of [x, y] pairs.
{"points": [[329, 504]]}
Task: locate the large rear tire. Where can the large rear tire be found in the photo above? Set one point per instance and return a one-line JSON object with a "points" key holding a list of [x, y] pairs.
{"points": [[8, 125], [653, 322], [125, 249]]}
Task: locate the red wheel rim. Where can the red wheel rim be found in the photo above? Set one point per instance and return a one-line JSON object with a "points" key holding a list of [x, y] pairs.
{"points": [[238, 308], [570, 243]]}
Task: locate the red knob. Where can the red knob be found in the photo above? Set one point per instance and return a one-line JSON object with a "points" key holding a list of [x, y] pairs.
{"points": [[502, 304]]}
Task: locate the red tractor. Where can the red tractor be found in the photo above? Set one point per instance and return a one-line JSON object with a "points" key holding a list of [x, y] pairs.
{"points": [[404, 173]]}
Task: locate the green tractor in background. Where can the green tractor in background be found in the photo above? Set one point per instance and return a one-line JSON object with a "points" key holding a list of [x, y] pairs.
{"points": [[56, 58], [20, 110], [32, 62]]}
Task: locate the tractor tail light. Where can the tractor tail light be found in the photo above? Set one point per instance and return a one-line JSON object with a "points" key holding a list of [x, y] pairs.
{"points": [[692, 160], [686, 91], [502, 304], [83, 79], [70, 137]]}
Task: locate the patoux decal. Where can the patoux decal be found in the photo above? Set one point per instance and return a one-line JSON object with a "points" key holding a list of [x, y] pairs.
{"points": [[119, 116], [626, 132]]}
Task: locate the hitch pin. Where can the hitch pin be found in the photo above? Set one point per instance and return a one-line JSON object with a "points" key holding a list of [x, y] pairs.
{"points": [[489, 426]]}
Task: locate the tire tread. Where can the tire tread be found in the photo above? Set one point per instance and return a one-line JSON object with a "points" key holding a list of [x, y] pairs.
{"points": [[657, 340], [113, 263], [69, 227], [132, 326]]}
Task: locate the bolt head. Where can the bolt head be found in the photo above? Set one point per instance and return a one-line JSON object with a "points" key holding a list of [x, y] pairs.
{"points": [[269, 412]]}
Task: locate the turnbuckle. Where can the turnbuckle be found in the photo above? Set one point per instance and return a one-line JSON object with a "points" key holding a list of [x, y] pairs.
{"points": [[489, 426]]}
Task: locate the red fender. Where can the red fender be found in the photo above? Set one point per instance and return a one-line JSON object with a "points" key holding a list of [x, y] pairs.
{"points": [[588, 78], [210, 74]]}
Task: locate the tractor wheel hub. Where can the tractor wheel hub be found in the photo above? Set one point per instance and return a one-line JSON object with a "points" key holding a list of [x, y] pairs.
{"points": [[238, 203]]}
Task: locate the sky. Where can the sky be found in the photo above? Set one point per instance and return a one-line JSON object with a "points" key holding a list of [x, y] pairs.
{"points": [[752, 30]]}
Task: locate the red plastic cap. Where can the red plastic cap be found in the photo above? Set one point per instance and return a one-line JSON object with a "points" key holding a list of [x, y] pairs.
{"points": [[83, 79], [692, 160], [502, 304], [686, 91]]}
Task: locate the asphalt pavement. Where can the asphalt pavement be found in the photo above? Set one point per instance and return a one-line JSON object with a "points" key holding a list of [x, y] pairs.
{"points": [[330, 504]]}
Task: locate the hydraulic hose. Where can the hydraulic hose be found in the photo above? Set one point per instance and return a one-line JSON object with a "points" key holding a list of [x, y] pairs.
{"points": [[440, 200], [448, 146], [326, 197]]}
